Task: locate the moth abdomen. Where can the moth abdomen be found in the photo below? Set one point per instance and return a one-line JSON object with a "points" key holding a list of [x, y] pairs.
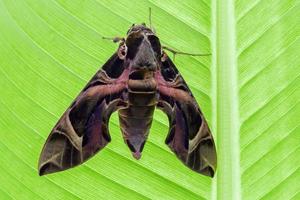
{"points": [[136, 119]]}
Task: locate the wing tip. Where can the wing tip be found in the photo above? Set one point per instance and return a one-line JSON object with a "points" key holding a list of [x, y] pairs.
{"points": [[207, 171], [47, 168]]}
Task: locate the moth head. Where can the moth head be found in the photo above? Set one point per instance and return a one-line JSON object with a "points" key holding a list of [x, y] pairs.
{"points": [[139, 27], [143, 49]]}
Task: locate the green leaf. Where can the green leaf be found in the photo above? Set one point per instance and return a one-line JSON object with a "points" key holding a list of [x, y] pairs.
{"points": [[248, 91]]}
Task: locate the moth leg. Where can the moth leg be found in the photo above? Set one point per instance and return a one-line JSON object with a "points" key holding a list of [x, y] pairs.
{"points": [[114, 39], [183, 53]]}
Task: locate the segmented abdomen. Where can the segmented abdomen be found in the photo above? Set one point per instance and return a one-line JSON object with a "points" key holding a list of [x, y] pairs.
{"points": [[136, 120]]}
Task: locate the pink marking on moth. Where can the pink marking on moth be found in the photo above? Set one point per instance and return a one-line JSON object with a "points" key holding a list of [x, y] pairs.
{"points": [[168, 89], [137, 155]]}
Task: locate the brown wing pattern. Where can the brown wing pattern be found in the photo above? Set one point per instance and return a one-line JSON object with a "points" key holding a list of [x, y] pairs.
{"points": [[189, 135], [83, 129]]}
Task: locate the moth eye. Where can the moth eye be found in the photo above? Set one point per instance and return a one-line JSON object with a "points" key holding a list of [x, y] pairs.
{"points": [[122, 52]]}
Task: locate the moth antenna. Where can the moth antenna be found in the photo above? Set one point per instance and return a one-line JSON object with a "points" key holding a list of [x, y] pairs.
{"points": [[183, 53], [114, 39], [150, 22]]}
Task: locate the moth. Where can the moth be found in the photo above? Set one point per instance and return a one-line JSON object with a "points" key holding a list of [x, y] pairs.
{"points": [[136, 79]]}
